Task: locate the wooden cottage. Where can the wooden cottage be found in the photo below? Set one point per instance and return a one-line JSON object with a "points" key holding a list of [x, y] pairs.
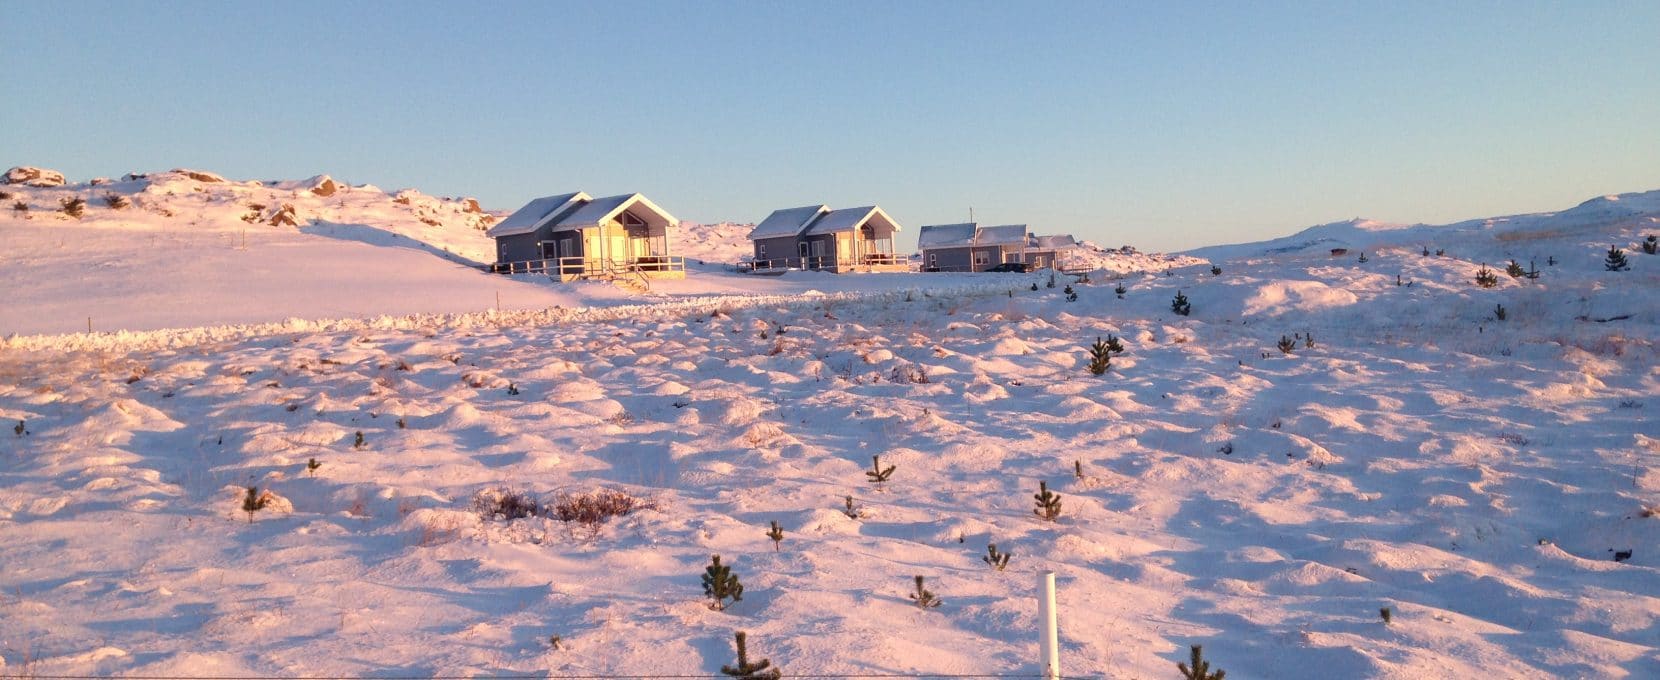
{"points": [[816, 237], [575, 236], [1049, 251], [969, 247]]}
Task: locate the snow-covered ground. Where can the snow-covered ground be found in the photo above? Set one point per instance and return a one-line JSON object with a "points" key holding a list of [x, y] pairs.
{"points": [[1476, 476]]}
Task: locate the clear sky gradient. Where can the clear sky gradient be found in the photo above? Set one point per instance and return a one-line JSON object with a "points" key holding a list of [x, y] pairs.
{"points": [[1165, 125]]}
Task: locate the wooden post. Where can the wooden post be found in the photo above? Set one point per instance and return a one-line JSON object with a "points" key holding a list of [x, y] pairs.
{"points": [[1048, 635]]}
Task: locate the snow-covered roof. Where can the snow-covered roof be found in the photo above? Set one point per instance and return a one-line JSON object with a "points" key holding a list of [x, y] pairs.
{"points": [[849, 219], [534, 214], [1055, 242], [946, 235], [787, 222], [1001, 235], [600, 210]]}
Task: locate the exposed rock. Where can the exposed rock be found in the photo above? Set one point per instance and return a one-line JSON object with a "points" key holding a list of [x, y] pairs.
{"points": [[470, 205], [34, 177], [199, 175], [99, 180], [323, 185], [131, 176], [282, 215]]}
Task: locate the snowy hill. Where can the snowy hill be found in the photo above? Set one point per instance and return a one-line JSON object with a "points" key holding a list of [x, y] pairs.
{"points": [[1312, 444], [1491, 239]]}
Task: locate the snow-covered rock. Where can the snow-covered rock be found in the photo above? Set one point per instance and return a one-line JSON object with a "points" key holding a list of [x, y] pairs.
{"points": [[34, 177]]}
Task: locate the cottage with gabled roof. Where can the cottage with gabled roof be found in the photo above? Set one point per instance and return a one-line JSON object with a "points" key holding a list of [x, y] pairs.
{"points": [[574, 236], [969, 247], [816, 237]]}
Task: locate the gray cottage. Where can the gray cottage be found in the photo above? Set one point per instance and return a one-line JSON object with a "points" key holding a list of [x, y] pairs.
{"points": [[1049, 251], [816, 237], [574, 236], [969, 247]]}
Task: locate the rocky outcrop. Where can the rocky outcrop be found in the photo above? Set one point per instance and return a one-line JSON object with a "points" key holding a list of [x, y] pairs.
{"points": [[34, 177], [199, 175], [323, 185], [282, 215], [470, 205]]}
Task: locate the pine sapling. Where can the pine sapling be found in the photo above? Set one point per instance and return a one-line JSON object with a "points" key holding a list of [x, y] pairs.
{"points": [[1200, 668], [1034, 286], [1363, 257], [1180, 306], [20, 428], [1514, 270], [1078, 469], [852, 511], [997, 560], [401, 423], [311, 466], [1532, 270], [1071, 295], [1651, 245], [1486, 278], [1387, 614], [1287, 344], [1308, 341], [73, 206], [776, 533], [1498, 312], [1120, 290], [1048, 503], [720, 584], [1114, 345], [1100, 357], [20, 206], [253, 502], [116, 201], [1615, 260], [1440, 252], [358, 442], [876, 474], [923, 597], [1215, 270], [747, 670], [513, 389], [1426, 251]]}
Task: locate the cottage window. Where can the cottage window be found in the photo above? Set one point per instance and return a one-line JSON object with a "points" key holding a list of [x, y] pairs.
{"points": [[760, 251], [933, 260], [982, 258]]}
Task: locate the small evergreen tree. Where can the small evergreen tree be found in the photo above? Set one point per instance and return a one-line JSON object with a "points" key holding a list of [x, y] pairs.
{"points": [[1651, 245], [923, 597], [1426, 251], [1486, 278], [311, 466], [776, 533], [1051, 280], [116, 201], [401, 423], [20, 428], [1100, 357], [1514, 270], [1550, 261], [1215, 270], [1363, 257], [1114, 345], [513, 389], [253, 502], [1119, 290], [876, 474], [1200, 668], [720, 584], [997, 560], [1387, 615], [1615, 260], [20, 206], [73, 206], [1532, 270], [745, 670], [1034, 286], [1287, 344], [1078, 469], [1048, 503], [1179, 305], [1499, 312], [1308, 341], [1071, 295], [358, 442]]}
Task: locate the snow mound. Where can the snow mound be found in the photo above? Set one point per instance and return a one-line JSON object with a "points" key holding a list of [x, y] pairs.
{"points": [[34, 177], [1284, 297]]}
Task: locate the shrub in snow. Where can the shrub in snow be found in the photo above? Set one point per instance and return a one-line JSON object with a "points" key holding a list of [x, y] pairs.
{"points": [[1308, 341], [1439, 252], [401, 423], [1071, 295], [1034, 285], [1287, 344], [311, 466], [116, 201], [852, 511], [747, 670], [1486, 278], [1100, 357], [1120, 291], [1180, 305], [1615, 260], [21, 428], [1499, 312], [505, 504], [5, 195], [73, 206], [1386, 614], [1426, 251], [1514, 270], [1363, 257], [1114, 345], [923, 598], [909, 373], [1048, 503], [997, 560], [358, 442], [876, 474], [596, 507], [1651, 245], [254, 502], [1078, 469], [1198, 668], [513, 389], [776, 533], [720, 584], [1215, 270]]}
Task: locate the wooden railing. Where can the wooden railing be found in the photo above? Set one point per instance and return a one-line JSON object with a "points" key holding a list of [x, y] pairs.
{"points": [[593, 266], [820, 262]]}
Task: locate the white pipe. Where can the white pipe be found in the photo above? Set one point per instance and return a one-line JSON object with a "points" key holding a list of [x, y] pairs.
{"points": [[1048, 635]]}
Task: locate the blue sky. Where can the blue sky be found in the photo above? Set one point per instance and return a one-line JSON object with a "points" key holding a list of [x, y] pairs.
{"points": [[1166, 125]]}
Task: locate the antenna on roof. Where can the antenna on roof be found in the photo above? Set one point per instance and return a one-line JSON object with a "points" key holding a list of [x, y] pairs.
{"points": [[971, 213]]}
